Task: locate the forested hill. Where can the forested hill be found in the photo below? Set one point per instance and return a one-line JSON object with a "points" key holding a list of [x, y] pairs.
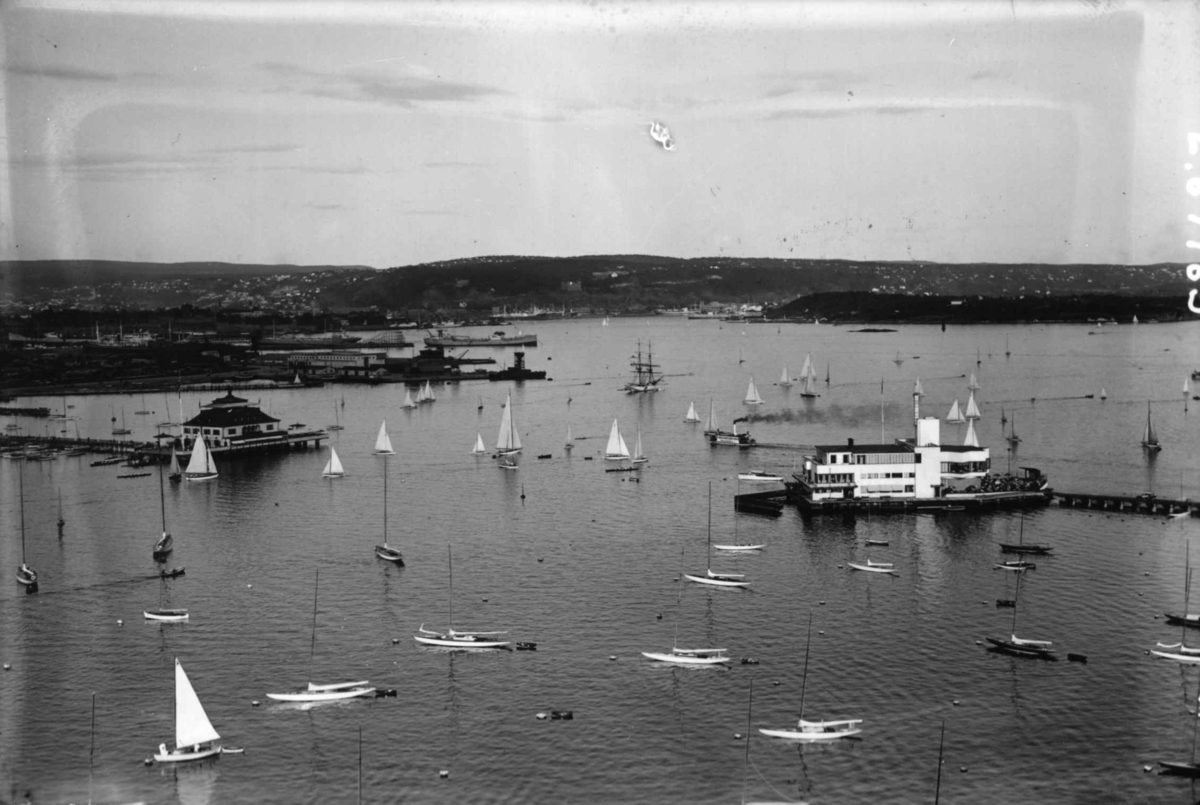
{"points": [[615, 282]]}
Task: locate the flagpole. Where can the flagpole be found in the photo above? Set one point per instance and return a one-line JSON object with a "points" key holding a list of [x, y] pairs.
{"points": [[882, 437]]}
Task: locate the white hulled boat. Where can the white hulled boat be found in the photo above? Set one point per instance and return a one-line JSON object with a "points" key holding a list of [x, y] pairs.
{"points": [[616, 449], [385, 551], [383, 443], [201, 466], [479, 448], [639, 455], [752, 395], [709, 577], [691, 415], [333, 467], [458, 639], [508, 441], [815, 730], [686, 656], [194, 733]]}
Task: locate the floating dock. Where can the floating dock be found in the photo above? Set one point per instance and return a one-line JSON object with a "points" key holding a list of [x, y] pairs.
{"points": [[1128, 504]]}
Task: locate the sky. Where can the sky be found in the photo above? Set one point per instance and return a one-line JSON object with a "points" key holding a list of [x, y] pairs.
{"points": [[387, 133]]}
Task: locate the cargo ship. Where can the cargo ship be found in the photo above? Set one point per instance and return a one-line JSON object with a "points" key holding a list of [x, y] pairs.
{"points": [[496, 339]]}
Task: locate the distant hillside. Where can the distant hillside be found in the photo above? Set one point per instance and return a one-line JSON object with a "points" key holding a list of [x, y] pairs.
{"points": [[607, 282]]}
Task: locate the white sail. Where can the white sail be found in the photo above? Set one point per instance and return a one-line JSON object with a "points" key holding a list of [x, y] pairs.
{"points": [[616, 448], [192, 726], [955, 414], [570, 439], [712, 418], [408, 400], [383, 444], [1149, 435], [639, 455], [201, 463], [479, 448], [692, 416], [333, 468], [808, 367], [1103, 394], [174, 463], [810, 386], [917, 388], [972, 411], [973, 385], [427, 393], [508, 441], [752, 395], [971, 440], [784, 379]]}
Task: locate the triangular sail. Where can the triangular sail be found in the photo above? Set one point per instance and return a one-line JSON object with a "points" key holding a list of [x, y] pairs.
{"points": [[971, 440], [383, 444], [955, 414], [508, 440], [691, 414], [752, 395], [784, 379], [808, 367], [712, 417], [973, 385], [972, 411], [810, 386], [1149, 436], [334, 465], [201, 462], [917, 388], [428, 392], [174, 462], [637, 446], [570, 439], [479, 446], [616, 443], [408, 400], [192, 726]]}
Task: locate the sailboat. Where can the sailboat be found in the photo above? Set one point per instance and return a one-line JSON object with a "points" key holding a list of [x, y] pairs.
{"points": [[1181, 652], [26, 575], [752, 395], [142, 412], [687, 656], [322, 693], [200, 466], [161, 549], [1149, 435], [164, 544], [570, 443], [1021, 546], [454, 639], [383, 443], [898, 360], [479, 448], [384, 551], [784, 378], [1012, 436], [1003, 416], [1103, 394], [736, 546], [807, 369], [815, 730], [1006, 350], [616, 449], [971, 440], [973, 384], [333, 467], [337, 421], [121, 431], [712, 428], [972, 411], [1184, 768], [61, 522], [508, 441], [174, 473], [194, 733], [691, 415], [955, 416], [645, 378], [408, 400], [639, 455], [709, 577], [810, 384], [427, 393], [1020, 646]]}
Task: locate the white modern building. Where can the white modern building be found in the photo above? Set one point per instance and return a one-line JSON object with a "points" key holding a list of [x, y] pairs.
{"points": [[919, 468]]}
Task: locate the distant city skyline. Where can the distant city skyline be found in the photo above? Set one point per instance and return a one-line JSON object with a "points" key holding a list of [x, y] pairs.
{"points": [[385, 134]]}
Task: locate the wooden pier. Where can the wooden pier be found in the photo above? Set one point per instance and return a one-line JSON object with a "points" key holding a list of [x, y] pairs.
{"points": [[1128, 504], [287, 440]]}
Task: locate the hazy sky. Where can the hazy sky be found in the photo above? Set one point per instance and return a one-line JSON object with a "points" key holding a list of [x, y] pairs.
{"points": [[390, 133]]}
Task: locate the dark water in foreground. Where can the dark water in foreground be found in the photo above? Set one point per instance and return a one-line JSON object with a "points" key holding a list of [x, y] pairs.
{"points": [[584, 564]]}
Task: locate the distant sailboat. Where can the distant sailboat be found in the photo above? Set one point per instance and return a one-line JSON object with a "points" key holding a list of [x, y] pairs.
{"points": [[752, 395], [955, 416], [711, 428], [691, 416], [385, 551], [709, 577], [972, 411], [1006, 351], [333, 467], [456, 639], [428, 393], [917, 390], [973, 384], [570, 443], [1003, 418], [161, 549], [784, 378], [337, 422], [479, 448], [616, 449], [1012, 437], [1103, 394], [898, 360], [1149, 435], [639, 455], [686, 656], [807, 369], [810, 385], [194, 733], [26, 575], [163, 545], [971, 439], [174, 473], [201, 466], [322, 693], [383, 444], [814, 730], [408, 400], [508, 441]]}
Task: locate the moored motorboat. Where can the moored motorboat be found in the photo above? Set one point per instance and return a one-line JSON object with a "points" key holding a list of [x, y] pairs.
{"points": [[167, 615], [760, 476]]}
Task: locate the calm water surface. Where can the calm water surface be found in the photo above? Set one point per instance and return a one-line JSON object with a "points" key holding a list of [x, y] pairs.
{"points": [[584, 563]]}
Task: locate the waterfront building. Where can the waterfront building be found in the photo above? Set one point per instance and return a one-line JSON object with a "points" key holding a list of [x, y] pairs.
{"points": [[230, 421]]}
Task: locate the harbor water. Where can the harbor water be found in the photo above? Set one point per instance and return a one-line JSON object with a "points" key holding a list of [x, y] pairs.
{"points": [[585, 564]]}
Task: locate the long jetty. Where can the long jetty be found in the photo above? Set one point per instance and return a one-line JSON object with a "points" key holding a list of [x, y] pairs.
{"points": [[1128, 504]]}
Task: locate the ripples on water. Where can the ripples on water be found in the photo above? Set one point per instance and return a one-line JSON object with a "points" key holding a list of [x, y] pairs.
{"points": [[587, 563]]}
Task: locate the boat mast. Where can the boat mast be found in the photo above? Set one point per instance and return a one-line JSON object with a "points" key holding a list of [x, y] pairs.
{"points": [[450, 565], [746, 762], [92, 748], [678, 599], [709, 552], [312, 650], [804, 679], [21, 477], [937, 789], [162, 499], [385, 463]]}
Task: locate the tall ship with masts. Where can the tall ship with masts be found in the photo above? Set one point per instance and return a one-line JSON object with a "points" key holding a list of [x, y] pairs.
{"points": [[646, 373]]}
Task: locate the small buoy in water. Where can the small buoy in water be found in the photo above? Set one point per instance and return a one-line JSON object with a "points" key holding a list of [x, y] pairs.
{"points": [[120, 622], [540, 559], [776, 684], [962, 768], [1147, 768], [484, 600], [820, 631], [254, 703], [248, 586], [822, 603], [658, 616], [443, 774], [7, 667], [956, 702], [541, 716], [737, 736], [148, 761], [612, 656], [395, 640]]}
